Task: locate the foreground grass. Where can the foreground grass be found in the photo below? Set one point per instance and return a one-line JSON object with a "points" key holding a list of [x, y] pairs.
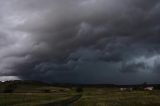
{"points": [[103, 97], [30, 93], [30, 99], [50, 95]]}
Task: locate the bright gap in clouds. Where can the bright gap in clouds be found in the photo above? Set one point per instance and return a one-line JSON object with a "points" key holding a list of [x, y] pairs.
{"points": [[7, 78]]}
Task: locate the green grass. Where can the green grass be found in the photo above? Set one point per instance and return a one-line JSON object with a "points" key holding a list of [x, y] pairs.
{"points": [[39, 95], [33, 95], [90, 97], [106, 97], [30, 99]]}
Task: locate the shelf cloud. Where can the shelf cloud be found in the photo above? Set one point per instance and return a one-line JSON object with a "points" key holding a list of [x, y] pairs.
{"points": [[80, 41]]}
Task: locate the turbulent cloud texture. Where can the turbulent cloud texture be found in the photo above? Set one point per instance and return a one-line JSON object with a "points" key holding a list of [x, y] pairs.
{"points": [[80, 41]]}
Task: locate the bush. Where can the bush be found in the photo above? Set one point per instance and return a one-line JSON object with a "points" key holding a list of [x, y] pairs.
{"points": [[79, 89], [47, 91]]}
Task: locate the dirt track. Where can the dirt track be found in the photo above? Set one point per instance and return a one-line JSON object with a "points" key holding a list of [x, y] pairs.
{"points": [[67, 102]]}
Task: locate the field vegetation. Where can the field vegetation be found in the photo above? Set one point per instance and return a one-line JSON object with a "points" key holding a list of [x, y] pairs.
{"points": [[28, 93]]}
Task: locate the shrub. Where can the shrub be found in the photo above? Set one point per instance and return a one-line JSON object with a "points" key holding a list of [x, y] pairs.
{"points": [[79, 89]]}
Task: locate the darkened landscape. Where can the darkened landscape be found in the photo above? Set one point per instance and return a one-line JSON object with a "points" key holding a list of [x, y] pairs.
{"points": [[79, 52], [32, 93]]}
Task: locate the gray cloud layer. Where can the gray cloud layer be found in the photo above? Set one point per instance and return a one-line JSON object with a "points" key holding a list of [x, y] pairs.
{"points": [[83, 41]]}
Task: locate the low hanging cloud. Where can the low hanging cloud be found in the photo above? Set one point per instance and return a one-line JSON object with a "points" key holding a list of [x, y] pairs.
{"points": [[80, 41]]}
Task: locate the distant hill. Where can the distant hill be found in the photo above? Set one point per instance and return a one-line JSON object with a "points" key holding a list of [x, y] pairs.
{"points": [[22, 86], [25, 82]]}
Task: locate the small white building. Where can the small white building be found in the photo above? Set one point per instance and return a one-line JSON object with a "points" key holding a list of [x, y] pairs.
{"points": [[123, 89], [126, 89], [149, 88]]}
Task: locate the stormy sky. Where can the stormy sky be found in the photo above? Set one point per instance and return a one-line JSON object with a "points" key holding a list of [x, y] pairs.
{"points": [[80, 41]]}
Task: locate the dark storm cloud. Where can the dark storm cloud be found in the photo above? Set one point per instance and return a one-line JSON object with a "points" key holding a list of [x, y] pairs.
{"points": [[105, 41]]}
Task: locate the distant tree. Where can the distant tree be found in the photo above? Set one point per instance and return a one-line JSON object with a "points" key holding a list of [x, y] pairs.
{"points": [[79, 89], [144, 84], [47, 91]]}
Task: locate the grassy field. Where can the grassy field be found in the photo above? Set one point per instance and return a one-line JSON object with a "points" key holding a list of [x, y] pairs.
{"points": [[90, 97], [111, 97], [30, 99], [29, 94], [32, 94]]}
